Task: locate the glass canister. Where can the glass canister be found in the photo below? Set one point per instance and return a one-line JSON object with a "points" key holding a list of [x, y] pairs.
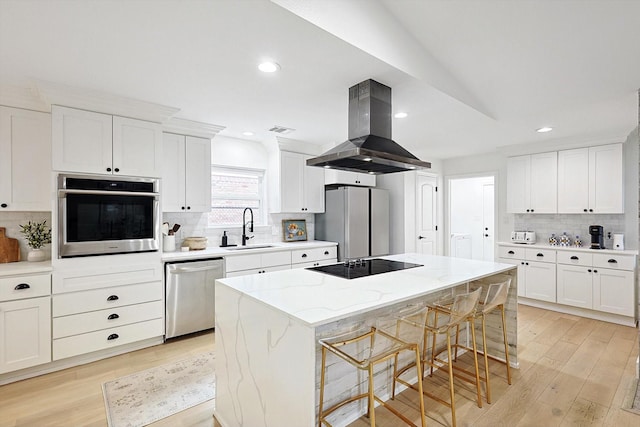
{"points": [[565, 240], [553, 240], [577, 242]]}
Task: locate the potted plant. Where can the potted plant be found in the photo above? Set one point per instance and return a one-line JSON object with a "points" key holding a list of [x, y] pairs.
{"points": [[37, 234]]}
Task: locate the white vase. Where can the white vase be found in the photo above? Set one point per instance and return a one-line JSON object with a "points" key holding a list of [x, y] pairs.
{"points": [[35, 255]]}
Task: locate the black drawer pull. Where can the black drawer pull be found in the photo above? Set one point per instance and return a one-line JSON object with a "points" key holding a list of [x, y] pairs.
{"points": [[113, 337], [21, 286], [613, 261], [575, 257], [540, 255], [113, 298], [589, 270], [511, 253], [113, 316], [326, 252], [4, 205], [304, 255], [595, 271]]}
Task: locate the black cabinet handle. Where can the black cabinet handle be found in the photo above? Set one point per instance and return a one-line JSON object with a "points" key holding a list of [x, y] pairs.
{"points": [[522, 262], [540, 255], [304, 255], [595, 271], [574, 257], [21, 286], [590, 210], [108, 169], [326, 252], [511, 253], [4, 205], [113, 298], [113, 316], [117, 170], [527, 210], [589, 270], [586, 210], [486, 235], [531, 210], [183, 208], [613, 261], [113, 337]]}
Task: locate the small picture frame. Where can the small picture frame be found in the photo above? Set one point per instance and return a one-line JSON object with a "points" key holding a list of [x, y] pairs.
{"points": [[294, 230]]}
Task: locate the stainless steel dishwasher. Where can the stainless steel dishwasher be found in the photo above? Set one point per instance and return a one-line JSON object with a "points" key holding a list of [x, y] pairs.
{"points": [[190, 297]]}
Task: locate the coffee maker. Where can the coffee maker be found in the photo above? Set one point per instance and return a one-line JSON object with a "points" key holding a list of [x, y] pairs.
{"points": [[597, 236]]}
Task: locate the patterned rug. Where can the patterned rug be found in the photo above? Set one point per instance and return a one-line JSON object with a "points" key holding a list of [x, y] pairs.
{"points": [[147, 396]]}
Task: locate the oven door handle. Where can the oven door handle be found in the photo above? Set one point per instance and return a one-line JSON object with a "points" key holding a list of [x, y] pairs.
{"points": [[63, 193]]}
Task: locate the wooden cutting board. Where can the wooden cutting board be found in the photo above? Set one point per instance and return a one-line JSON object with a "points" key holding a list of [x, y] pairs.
{"points": [[9, 248]]}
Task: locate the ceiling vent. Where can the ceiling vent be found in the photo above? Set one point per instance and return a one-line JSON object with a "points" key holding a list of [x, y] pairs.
{"points": [[281, 130]]}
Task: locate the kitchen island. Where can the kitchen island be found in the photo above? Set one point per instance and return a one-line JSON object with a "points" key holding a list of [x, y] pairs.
{"points": [[268, 326]]}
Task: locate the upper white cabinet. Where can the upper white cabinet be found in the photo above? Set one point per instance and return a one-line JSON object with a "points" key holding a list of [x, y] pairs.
{"points": [[25, 160], [301, 186], [186, 176], [591, 180], [89, 142], [332, 176], [532, 183]]}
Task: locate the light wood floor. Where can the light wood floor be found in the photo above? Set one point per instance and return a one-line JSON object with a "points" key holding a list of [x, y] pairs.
{"points": [[573, 371]]}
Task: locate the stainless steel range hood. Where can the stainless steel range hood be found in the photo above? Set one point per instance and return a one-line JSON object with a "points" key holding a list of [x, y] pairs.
{"points": [[370, 148]]}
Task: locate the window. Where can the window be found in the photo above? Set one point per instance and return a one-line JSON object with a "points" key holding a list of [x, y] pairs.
{"points": [[233, 190]]}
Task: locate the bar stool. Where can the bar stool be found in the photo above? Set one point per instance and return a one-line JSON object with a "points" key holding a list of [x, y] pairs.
{"points": [[461, 310], [495, 298], [364, 349]]}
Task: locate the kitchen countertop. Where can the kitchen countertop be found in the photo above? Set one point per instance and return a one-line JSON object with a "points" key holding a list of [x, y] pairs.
{"points": [[315, 298], [570, 248], [215, 251], [25, 267]]}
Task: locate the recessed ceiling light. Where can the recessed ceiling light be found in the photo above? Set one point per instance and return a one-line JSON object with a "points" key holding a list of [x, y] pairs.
{"points": [[247, 133], [412, 167], [400, 115], [367, 159], [268, 67], [544, 129], [327, 167]]}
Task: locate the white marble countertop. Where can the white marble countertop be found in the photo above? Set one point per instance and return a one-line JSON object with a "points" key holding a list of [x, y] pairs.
{"points": [[215, 251], [570, 248], [25, 267], [316, 298]]}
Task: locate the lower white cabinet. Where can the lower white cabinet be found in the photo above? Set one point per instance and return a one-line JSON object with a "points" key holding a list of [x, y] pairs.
{"points": [[241, 265], [25, 322], [536, 271], [613, 291], [575, 286], [314, 257]]}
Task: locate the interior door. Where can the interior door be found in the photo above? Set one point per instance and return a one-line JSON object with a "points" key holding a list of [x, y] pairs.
{"points": [[488, 221], [426, 205]]}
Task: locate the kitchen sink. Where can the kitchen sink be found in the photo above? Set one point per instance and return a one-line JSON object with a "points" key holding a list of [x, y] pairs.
{"points": [[244, 248]]}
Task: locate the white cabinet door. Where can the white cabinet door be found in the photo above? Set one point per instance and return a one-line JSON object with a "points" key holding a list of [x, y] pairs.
{"points": [[606, 179], [573, 181], [520, 276], [81, 140], [291, 182], [543, 183], [575, 286], [518, 186], [313, 187], [613, 291], [137, 147], [198, 174], [25, 333], [540, 279], [25, 160], [173, 173]]}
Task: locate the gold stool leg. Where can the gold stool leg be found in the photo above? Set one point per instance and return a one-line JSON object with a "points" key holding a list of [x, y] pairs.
{"points": [[395, 374], [372, 412], [486, 358], [506, 344], [324, 358], [451, 391], [472, 324], [423, 418]]}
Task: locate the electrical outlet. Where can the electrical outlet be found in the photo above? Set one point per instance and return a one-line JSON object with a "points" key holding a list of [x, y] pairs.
{"points": [[608, 235]]}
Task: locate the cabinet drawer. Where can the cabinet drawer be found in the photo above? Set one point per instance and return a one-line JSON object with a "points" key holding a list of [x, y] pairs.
{"points": [[104, 319], [242, 262], [313, 254], [618, 262], [20, 287], [541, 255], [99, 340], [271, 259], [90, 278], [510, 252], [575, 258], [100, 299]]}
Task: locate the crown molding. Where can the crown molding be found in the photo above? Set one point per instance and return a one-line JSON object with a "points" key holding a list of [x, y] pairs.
{"points": [[297, 146], [22, 97], [88, 99], [190, 127]]}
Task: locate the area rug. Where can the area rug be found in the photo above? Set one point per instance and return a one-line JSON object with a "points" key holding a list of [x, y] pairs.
{"points": [[147, 396]]}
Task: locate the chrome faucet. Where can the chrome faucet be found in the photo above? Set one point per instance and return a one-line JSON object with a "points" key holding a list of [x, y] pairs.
{"points": [[244, 225]]}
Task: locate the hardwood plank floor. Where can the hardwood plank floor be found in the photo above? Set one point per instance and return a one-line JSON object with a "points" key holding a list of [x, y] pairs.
{"points": [[573, 371]]}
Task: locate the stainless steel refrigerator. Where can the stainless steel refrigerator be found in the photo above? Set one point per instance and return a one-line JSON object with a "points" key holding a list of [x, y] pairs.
{"points": [[357, 218]]}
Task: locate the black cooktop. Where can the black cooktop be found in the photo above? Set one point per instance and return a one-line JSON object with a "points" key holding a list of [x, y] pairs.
{"points": [[362, 268]]}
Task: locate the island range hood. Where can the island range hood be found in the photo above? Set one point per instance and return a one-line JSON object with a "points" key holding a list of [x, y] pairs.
{"points": [[369, 148]]}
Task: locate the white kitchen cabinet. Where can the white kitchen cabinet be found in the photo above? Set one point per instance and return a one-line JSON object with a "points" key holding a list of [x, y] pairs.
{"points": [[90, 142], [25, 160], [591, 180], [575, 286], [536, 271], [186, 174], [532, 183], [241, 265], [301, 186], [613, 291], [25, 321], [314, 257], [333, 176]]}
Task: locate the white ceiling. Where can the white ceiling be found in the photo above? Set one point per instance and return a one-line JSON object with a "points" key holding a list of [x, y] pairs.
{"points": [[473, 75]]}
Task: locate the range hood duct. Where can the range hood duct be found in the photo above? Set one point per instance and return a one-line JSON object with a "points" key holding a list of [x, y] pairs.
{"points": [[369, 148]]}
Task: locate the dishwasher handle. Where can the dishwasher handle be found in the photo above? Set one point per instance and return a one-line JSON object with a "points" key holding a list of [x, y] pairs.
{"points": [[192, 269]]}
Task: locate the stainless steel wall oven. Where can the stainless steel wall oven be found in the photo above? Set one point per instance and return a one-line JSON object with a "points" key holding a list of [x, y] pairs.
{"points": [[103, 215]]}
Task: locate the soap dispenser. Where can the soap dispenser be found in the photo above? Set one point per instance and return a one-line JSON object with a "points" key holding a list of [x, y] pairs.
{"points": [[224, 239]]}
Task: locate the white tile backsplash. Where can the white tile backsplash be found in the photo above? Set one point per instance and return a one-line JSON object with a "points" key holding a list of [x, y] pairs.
{"points": [[12, 221]]}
